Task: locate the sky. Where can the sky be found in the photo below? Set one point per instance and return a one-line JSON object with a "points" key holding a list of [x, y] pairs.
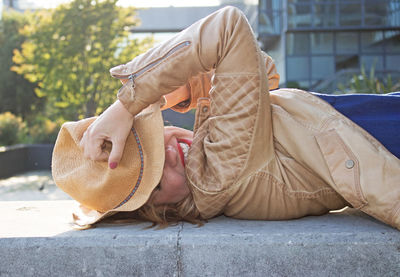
{"points": [[136, 3], [161, 3]]}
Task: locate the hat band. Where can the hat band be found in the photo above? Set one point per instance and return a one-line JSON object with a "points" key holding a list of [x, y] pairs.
{"points": [[141, 170]]}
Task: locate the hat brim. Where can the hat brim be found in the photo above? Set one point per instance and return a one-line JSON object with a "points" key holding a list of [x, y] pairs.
{"points": [[149, 125]]}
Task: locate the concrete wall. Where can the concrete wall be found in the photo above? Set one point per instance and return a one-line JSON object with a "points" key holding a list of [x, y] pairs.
{"points": [[20, 158]]}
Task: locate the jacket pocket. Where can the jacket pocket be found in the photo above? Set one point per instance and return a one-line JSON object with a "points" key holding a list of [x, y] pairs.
{"points": [[343, 166]]}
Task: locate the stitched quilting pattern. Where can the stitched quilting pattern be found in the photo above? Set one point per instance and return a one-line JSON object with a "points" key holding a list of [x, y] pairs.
{"points": [[221, 146]]}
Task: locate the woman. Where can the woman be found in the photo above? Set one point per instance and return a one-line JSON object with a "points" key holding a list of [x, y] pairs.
{"points": [[256, 152]]}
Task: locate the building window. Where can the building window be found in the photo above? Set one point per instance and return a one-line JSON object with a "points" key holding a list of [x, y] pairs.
{"points": [[372, 61], [372, 42], [297, 44], [346, 42], [324, 15], [298, 68], [299, 15], [392, 41], [322, 67], [375, 12], [350, 13], [343, 62], [392, 62], [322, 43]]}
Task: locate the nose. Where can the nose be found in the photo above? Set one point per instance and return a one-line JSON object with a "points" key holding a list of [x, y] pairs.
{"points": [[167, 136]]}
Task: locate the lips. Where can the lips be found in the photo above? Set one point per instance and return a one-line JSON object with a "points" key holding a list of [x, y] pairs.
{"points": [[183, 149]]}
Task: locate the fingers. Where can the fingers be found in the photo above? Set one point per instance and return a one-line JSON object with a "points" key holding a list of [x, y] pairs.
{"points": [[94, 151], [105, 129], [93, 148], [116, 153]]}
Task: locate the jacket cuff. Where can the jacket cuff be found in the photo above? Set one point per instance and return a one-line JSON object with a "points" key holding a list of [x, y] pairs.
{"points": [[126, 95], [272, 74]]}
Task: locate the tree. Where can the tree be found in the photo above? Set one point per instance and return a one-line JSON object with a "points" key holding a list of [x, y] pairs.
{"points": [[69, 51], [16, 93]]}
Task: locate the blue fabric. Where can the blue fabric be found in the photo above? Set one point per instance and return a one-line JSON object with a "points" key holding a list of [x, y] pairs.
{"points": [[379, 114]]}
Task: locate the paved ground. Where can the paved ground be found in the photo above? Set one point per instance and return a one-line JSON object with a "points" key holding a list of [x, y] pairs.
{"points": [[37, 240], [33, 185]]}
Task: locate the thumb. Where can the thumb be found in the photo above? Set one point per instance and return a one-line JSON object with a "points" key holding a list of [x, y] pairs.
{"points": [[116, 154]]}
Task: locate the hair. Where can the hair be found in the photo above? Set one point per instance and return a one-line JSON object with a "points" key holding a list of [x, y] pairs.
{"points": [[162, 215]]}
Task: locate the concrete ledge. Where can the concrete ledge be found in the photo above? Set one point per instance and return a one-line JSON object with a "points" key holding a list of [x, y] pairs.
{"points": [[36, 240]]}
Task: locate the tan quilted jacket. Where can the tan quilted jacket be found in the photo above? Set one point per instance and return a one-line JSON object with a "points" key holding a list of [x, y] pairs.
{"points": [[260, 154]]}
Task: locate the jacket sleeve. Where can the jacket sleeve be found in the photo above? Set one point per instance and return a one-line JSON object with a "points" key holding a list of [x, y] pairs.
{"points": [[236, 138], [200, 85]]}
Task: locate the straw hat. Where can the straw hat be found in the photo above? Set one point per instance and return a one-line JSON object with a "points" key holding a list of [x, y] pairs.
{"points": [[102, 191]]}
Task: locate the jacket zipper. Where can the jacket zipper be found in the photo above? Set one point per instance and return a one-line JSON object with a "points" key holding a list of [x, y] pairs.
{"points": [[133, 76]]}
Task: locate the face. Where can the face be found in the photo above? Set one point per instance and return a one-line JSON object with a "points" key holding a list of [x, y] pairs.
{"points": [[173, 187]]}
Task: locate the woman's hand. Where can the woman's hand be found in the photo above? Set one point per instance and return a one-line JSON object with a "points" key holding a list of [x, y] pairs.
{"points": [[114, 126]]}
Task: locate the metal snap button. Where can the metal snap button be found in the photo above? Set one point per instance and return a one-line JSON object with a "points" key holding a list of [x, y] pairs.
{"points": [[349, 164], [205, 109]]}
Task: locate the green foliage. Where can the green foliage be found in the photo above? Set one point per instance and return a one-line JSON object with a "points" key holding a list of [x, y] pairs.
{"points": [[16, 93], [13, 130], [294, 84], [369, 83], [41, 130], [69, 51], [10, 128]]}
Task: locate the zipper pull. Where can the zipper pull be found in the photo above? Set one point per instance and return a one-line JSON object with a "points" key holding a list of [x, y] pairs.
{"points": [[132, 78]]}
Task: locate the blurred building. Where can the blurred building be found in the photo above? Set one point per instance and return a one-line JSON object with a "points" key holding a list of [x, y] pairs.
{"points": [[320, 43], [174, 19]]}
